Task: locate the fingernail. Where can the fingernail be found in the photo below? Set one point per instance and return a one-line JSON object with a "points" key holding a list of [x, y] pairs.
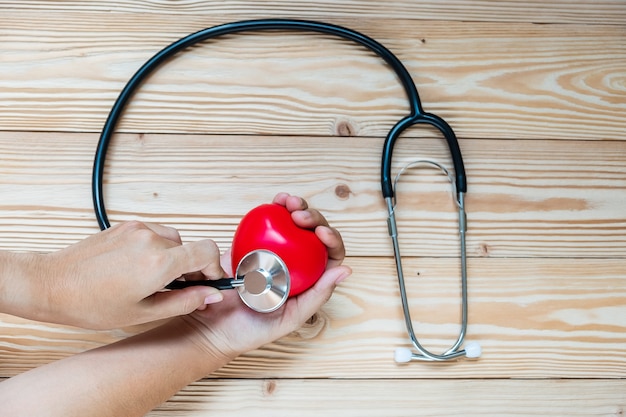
{"points": [[213, 298]]}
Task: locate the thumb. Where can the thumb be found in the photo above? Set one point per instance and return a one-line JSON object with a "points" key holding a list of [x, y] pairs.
{"points": [[166, 304]]}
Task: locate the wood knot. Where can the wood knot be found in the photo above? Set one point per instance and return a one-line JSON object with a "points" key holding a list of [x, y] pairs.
{"points": [[345, 129], [269, 387], [343, 191], [313, 327], [484, 249], [312, 320]]}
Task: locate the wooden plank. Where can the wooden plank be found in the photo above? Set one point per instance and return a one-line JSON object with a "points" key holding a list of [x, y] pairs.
{"points": [[62, 71], [525, 199], [533, 11], [535, 318], [409, 398], [396, 398], [392, 397]]}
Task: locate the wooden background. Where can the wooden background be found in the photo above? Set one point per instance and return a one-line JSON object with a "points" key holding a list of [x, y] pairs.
{"points": [[536, 92]]}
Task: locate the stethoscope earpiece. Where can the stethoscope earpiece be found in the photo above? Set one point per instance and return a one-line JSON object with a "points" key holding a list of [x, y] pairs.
{"points": [[403, 355], [472, 350]]}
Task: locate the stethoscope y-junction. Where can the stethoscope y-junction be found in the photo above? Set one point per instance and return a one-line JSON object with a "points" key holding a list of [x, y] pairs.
{"points": [[416, 116]]}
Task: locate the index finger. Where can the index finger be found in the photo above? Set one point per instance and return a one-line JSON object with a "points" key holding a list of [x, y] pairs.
{"points": [[201, 256], [166, 232]]}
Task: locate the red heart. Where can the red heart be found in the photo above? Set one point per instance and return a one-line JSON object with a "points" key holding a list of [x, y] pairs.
{"points": [[271, 227]]}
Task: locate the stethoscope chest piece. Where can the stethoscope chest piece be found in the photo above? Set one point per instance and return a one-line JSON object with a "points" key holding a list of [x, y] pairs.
{"points": [[266, 281]]}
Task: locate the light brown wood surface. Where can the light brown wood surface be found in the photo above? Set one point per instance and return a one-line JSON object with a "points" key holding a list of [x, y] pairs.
{"points": [[536, 93]]}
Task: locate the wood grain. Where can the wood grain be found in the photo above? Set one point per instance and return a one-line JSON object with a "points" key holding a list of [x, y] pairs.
{"points": [[401, 398], [533, 11], [525, 199], [408, 398], [492, 80]]}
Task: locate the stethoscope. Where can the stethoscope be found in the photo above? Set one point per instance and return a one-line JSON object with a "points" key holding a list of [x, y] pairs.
{"points": [[416, 116]]}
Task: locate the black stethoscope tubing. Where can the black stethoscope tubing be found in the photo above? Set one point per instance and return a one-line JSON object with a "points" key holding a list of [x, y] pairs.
{"points": [[416, 116]]}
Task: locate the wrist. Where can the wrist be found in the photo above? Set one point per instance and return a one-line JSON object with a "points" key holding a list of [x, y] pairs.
{"points": [[208, 344], [19, 275]]}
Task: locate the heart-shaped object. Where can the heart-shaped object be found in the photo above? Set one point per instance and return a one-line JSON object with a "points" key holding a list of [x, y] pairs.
{"points": [[268, 232]]}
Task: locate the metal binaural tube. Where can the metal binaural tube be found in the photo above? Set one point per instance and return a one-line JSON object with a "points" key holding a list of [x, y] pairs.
{"points": [[423, 354]]}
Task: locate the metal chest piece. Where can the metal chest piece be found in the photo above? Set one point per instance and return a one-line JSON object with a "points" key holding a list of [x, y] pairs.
{"points": [[266, 281]]}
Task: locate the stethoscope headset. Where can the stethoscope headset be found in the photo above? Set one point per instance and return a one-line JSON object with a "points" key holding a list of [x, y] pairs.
{"points": [[416, 116]]}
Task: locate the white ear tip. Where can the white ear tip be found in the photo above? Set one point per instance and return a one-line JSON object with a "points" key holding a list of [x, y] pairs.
{"points": [[473, 350], [403, 355]]}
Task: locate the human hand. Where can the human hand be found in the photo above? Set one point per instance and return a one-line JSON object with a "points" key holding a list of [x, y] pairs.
{"points": [[229, 328], [113, 279]]}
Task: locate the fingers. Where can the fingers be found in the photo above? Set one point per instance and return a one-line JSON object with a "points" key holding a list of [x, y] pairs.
{"points": [[330, 237], [280, 198], [334, 244], [291, 202], [196, 260], [179, 302], [163, 249], [166, 232], [300, 212], [226, 262], [201, 256], [307, 218]]}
